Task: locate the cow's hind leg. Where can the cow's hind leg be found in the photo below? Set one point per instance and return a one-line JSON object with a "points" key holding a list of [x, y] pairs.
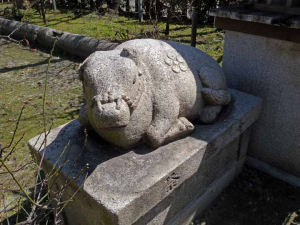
{"points": [[181, 128], [209, 114]]}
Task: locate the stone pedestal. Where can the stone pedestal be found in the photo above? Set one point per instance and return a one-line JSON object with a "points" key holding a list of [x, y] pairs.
{"points": [[262, 57], [169, 185]]}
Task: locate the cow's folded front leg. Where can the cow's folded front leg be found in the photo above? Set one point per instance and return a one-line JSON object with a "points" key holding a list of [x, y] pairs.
{"points": [[165, 114], [166, 126]]}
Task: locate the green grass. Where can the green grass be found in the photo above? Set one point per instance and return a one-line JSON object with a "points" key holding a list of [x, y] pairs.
{"points": [[119, 28], [115, 28], [22, 74], [4, 5], [22, 79]]}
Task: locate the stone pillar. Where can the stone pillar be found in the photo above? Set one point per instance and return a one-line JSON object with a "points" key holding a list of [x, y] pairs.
{"points": [[262, 57]]}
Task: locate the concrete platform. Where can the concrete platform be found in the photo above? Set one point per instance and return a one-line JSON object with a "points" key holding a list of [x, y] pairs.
{"points": [[169, 185]]}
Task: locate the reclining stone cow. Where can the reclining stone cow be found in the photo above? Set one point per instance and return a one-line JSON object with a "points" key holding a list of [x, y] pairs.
{"points": [[150, 91]]}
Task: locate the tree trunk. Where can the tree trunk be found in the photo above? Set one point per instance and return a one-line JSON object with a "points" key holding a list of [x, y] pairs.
{"points": [[91, 4], [155, 10], [140, 10], [167, 33], [148, 8], [127, 5], [43, 11], [114, 4], [54, 4], [194, 27], [137, 5], [82, 4]]}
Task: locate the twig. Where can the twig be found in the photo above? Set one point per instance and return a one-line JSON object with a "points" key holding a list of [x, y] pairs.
{"points": [[20, 186], [3, 210], [17, 219], [7, 219], [14, 134], [77, 158], [15, 168], [44, 117], [11, 151], [18, 169], [24, 209]]}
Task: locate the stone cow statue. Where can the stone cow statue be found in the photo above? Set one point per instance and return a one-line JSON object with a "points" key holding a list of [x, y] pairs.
{"points": [[150, 91]]}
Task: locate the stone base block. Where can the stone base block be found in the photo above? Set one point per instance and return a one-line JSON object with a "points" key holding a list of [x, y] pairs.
{"points": [[169, 185]]}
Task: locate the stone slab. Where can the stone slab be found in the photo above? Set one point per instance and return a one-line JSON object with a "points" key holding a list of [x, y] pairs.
{"points": [[250, 14], [200, 204], [145, 186]]}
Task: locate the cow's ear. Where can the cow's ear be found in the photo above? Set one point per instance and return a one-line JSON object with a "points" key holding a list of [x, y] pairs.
{"points": [[81, 69], [131, 54]]}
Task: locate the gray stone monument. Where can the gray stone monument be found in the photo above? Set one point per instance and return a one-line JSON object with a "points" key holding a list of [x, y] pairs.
{"points": [[141, 185], [150, 90], [262, 57]]}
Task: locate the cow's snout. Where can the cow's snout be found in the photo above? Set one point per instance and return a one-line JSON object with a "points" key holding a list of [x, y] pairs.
{"points": [[110, 113]]}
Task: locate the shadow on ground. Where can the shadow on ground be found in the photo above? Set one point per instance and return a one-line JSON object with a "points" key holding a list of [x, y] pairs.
{"points": [[254, 198]]}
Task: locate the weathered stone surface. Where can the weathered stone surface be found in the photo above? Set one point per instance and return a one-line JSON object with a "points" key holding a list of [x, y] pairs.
{"points": [[268, 68], [150, 89], [198, 205], [244, 143], [246, 13], [141, 186]]}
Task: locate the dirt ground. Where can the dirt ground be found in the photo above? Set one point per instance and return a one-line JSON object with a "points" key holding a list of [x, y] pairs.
{"points": [[254, 198]]}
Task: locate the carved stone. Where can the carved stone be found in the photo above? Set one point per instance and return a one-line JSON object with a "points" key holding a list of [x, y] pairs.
{"points": [[150, 91], [168, 186]]}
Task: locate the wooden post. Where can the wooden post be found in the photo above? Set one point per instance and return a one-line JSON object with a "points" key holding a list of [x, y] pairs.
{"points": [[194, 27], [127, 5], [54, 5], [140, 5], [167, 33]]}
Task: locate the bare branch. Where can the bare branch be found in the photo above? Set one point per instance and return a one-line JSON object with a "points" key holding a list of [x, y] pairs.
{"points": [[6, 214], [18, 169], [11, 151], [20, 186], [44, 117], [14, 134]]}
